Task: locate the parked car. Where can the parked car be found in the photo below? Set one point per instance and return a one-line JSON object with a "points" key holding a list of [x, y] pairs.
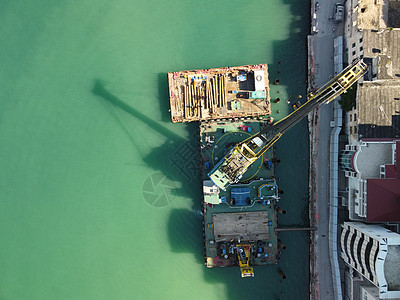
{"points": [[339, 12]]}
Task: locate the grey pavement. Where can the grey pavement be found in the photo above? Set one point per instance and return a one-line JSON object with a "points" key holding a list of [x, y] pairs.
{"points": [[326, 30]]}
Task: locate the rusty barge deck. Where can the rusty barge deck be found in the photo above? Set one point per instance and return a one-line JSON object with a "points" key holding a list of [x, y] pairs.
{"points": [[220, 93]]}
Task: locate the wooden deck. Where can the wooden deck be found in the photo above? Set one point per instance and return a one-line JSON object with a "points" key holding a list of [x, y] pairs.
{"points": [[246, 226], [221, 93]]}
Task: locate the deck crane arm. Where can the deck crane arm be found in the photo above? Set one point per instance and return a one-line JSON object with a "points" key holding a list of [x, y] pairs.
{"points": [[235, 163]]}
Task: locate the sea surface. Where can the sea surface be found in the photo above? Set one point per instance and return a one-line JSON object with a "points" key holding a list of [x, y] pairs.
{"points": [[100, 194]]}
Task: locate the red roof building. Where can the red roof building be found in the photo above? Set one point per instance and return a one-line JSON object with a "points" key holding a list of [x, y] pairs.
{"points": [[373, 171], [383, 194]]}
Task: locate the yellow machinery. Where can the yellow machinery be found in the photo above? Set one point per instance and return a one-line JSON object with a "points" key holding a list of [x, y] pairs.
{"points": [[243, 254], [233, 165]]}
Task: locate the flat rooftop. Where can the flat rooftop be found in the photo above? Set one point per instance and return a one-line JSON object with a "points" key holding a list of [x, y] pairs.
{"points": [[383, 48], [372, 14], [379, 118], [391, 267], [369, 158], [377, 14], [394, 14], [221, 93]]}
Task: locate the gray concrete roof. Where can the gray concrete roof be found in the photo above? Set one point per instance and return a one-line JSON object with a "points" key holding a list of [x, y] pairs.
{"points": [[394, 13], [378, 110], [372, 14], [370, 157], [392, 266], [384, 47]]}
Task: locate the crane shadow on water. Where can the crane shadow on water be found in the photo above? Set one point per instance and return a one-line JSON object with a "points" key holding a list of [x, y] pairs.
{"points": [[177, 158], [185, 229], [180, 164]]}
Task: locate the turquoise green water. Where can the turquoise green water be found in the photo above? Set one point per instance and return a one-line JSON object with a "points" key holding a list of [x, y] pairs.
{"points": [[100, 193]]}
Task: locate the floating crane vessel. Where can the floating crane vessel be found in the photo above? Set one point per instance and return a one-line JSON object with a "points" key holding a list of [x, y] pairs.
{"points": [[244, 216], [241, 195]]}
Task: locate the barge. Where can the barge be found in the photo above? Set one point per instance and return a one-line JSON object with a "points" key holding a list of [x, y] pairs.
{"points": [[220, 93], [239, 222], [232, 104]]}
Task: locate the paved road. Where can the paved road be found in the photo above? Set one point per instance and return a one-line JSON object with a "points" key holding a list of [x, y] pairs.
{"points": [[323, 66]]}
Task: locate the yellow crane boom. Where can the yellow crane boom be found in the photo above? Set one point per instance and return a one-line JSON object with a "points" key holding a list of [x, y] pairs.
{"points": [[235, 163]]}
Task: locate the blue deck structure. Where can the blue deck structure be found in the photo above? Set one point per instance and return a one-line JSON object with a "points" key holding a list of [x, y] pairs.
{"points": [[240, 196]]}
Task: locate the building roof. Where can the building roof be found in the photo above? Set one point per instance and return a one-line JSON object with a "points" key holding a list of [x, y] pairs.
{"points": [[211, 192], [383, 195], [383, 47], [370, 156], [394, 14], [393, 171], [391, 268], [378, 109], [374, 251], [383, 200], [372, 14], [378, 99]]}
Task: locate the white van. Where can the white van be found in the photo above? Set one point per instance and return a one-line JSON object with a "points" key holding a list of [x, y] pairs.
{"points": [[339, 12]]}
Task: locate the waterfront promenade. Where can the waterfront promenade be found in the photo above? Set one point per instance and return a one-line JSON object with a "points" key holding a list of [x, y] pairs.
{"points": [[321, 68]]}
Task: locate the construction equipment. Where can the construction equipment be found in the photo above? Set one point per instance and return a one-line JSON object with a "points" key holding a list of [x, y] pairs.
{"points": [[235, 163], [243, 254]]}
